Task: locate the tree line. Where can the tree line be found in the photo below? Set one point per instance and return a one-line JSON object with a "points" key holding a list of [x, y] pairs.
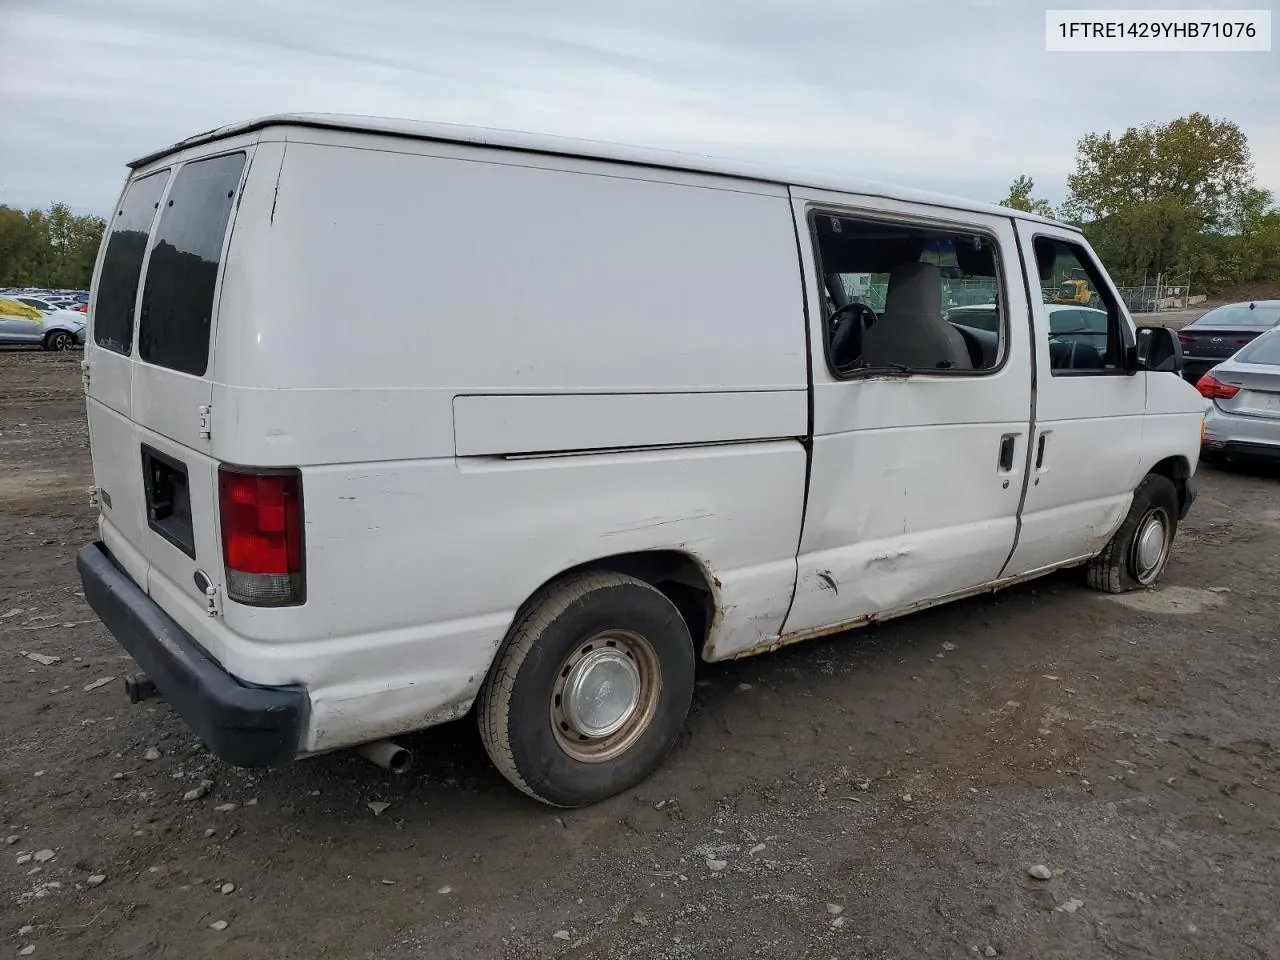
{"points": [[1176, 198], [51, 248]]}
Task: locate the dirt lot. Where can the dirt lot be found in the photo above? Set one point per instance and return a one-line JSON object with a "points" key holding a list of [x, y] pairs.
{"points": [[880, 794]]}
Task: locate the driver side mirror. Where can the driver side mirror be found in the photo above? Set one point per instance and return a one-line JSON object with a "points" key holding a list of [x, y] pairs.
{"points": [[1158, 350]]}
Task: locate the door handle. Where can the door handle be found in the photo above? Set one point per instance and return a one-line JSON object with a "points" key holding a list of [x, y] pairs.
{"points": [[1040, 451], [1007, 443]]}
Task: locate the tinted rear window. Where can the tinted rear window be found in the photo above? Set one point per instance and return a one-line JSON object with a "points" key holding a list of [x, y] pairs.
{"points": [[118, 282], [177, 296], [1266, 349], [1240, 316]]}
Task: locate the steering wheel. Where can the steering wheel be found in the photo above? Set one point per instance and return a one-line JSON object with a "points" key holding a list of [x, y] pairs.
{"points": [[858, 308], [847, 324]]}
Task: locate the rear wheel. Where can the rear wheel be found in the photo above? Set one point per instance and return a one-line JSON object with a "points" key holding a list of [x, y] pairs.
{"points": [[1137, 554], [59, 340], [590, 690]]}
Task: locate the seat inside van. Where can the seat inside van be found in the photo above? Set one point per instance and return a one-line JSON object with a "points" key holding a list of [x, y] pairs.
{"points": [[912, 330], [910, 265]]}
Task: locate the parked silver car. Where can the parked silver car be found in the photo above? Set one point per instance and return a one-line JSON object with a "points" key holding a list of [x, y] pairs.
{"points": [[57, 330], [1243, 419]]}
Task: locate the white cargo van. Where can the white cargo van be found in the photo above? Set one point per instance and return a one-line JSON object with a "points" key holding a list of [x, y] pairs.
{"points": [[641, 408]]}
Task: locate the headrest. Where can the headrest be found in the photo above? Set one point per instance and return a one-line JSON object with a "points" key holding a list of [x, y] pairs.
{"points": [[975, 256], [914, 288]]}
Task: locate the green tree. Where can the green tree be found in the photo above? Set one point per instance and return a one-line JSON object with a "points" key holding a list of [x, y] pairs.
{"points": [[1203, 164], [73, 243], [1174, 197], [19, 248], [1020, 198], [1158, 236], [53, 248]]}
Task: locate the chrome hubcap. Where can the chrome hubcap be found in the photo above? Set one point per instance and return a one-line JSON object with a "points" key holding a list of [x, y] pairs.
{"points": [[1150, 546], [605, 696], [601, 693]]}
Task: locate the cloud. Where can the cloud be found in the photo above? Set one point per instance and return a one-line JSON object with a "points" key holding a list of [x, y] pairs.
{"points": [[958, 97]]}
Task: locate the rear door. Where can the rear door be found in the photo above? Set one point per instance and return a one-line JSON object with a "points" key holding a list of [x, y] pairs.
{"points": [[108, 362], [172, 392], [151, 377]]}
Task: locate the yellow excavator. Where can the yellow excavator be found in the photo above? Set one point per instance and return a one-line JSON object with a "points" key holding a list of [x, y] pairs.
{"points": [[1074, 289]]}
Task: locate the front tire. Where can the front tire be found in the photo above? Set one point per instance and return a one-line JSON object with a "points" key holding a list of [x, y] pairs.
{"points": [[589, 691], [1136, 556], [59, 340]]}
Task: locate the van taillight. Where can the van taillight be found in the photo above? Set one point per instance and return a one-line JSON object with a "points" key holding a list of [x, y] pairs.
{"points": [[261, 514]]}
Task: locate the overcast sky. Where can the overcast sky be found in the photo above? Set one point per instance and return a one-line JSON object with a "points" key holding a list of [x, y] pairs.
{"points": [[952, 96]]}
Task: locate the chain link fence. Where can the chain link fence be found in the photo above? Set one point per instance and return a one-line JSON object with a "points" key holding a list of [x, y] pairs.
{"points": [[1152, 294], [955, 293]]}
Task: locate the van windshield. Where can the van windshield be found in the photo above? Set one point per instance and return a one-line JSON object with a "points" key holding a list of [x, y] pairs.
{"points": [[177, 296]]}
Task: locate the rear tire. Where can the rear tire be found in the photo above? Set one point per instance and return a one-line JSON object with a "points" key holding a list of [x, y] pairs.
{"points": [[1138, 553], [589, 691]]}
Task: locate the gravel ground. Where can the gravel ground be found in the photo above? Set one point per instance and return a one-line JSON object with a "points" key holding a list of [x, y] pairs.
{"points": [[880, 794]]}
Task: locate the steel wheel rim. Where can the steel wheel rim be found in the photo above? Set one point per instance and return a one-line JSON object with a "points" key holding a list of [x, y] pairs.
{"points": [[1151, 545], [605, 696]]}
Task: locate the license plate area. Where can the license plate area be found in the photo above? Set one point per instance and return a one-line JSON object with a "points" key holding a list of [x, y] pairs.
{"points": [[168, 499]]}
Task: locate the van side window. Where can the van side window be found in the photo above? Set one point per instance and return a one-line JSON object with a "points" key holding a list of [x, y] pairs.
{"points": [[177, 295], [1084, 319], [122, 263], [915, 300]]}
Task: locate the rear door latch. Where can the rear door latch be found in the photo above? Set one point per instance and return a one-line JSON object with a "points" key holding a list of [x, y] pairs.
{"points": [[212, 602], [204, 421]]}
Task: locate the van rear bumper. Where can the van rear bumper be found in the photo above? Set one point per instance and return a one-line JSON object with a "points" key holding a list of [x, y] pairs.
{"points": [[246, 726]]}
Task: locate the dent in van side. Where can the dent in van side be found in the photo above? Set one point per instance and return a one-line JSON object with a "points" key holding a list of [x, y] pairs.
{"points": [[910, 498], [460, 545]]}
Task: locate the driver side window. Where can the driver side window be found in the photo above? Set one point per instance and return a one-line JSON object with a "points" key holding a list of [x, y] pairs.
{"points": [[908, 300], [1084, 320]]}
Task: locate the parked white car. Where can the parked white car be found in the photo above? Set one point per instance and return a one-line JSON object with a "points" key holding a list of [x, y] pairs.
{"points": [[618, 431]]}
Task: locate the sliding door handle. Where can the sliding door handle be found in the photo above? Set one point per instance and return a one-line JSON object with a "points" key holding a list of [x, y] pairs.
{"points": [[1040, 452], [1007, 444]]}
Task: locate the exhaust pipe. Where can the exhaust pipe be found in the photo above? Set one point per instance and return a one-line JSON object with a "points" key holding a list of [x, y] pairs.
{"points": [[387, 755], [140, 687]]}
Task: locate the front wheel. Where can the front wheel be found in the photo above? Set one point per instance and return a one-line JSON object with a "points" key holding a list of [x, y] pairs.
{"points": [[589, 691], [59, 340], [1137, 554]]}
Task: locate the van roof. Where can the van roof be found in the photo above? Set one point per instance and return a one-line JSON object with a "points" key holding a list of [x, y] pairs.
{"points": [[590, 149]]}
